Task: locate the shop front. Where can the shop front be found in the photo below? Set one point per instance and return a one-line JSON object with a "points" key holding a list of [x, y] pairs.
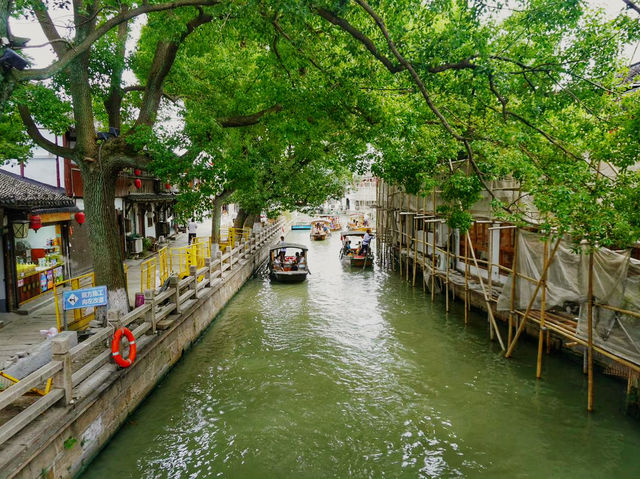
{"points": [[36, 220]]}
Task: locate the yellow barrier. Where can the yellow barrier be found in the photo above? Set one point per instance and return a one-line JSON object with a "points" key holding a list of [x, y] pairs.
{"points": [[182, 258], [163, 263], [41, 392], [223, 238], [81, 317], [148, 276], [236, 234]]}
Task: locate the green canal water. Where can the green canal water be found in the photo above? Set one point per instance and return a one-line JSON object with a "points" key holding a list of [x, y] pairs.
{"points": [[359, 375]]}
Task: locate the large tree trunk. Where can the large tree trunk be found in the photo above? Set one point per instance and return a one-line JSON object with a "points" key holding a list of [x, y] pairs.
{"points": [[104, 241], [248, 221], [216, 214], [239, 221]]}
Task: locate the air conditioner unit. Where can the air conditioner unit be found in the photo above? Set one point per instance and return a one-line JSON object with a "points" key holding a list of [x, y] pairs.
{"points": [[135, 245]]}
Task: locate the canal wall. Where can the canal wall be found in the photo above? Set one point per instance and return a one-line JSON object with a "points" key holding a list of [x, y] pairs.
{"points": [[60, 442]]}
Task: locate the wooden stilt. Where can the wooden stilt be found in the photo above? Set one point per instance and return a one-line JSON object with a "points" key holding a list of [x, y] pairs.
{"points": [[514, 279], [433, 251], [490, 277], [523, 321], [446, 279], [543, 304], [466, 282], [487, 300], [590, 335], [415, 252]]}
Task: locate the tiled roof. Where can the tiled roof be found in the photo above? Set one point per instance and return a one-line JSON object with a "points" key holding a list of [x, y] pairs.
{"points": [[19, 192], [150, 197]]}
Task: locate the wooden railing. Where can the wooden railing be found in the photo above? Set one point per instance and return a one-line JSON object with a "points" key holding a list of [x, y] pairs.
{"points": [[95, 352]]}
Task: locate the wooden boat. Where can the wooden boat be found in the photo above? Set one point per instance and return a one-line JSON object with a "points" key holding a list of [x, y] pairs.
{"points": [[358, 222], [334, 222], [283, 264], [320, 229], [351, 257]]}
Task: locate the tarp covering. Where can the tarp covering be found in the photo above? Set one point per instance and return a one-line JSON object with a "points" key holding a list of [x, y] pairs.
{"points": [[616, 282]]}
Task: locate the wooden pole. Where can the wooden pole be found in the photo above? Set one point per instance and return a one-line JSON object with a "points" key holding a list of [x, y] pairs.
{"points": [[514, 278], [523, 321], [490, 274], [492, 320], [542, 311], [590, 335], [446, 280], [415, 252], [466, 282], [433, 251]]}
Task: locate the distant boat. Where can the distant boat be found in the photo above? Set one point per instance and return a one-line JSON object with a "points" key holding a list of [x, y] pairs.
{"points": [[352, 257], [301, 225], [334, 222], [358, 222], [320, 229], [286, 267]]}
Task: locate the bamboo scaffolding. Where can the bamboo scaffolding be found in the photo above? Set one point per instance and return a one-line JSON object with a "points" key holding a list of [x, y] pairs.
{"points": [[514, 279], [446, 281], [490, 275], [466, 282], [433, 251], [543, 303], [523, 321], [492, 320], [590, 335], [415, 252]]}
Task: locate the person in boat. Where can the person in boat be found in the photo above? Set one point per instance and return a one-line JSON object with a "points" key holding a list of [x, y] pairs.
{"points": [[365, 242], [277, 264], [347, 248], [295, 261], [325, 229], [302, 261], [283, 251]]}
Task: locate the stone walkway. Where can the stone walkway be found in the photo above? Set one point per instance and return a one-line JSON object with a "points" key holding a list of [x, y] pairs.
{"points": [[20, 333]]}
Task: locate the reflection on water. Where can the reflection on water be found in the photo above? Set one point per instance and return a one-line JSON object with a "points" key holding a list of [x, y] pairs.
{"points": [[355, 374]]}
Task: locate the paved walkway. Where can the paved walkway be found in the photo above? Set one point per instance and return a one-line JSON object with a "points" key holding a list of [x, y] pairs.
{"points": [[20, 333]]}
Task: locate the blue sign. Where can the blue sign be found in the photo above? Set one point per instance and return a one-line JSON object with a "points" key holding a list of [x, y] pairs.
{"points": [[84, 298]]}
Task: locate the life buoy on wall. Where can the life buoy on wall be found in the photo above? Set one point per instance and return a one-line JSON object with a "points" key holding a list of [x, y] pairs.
{"points": [[115, 348]]}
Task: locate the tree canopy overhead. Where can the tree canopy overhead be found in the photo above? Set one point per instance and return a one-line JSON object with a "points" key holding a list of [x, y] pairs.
{"points": [[275, 102]]}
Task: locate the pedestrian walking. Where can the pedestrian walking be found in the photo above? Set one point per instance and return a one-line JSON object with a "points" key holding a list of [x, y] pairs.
{"points": [[193, 226]]}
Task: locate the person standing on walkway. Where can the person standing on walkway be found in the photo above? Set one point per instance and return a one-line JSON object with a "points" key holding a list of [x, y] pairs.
{"points": [[193, 226]]}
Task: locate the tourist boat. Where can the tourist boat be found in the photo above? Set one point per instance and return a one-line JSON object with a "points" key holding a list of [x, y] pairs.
{"points": [[352, 258], [301, 225], [320, 229], [284, 267], [334, 222], [358, 222]]}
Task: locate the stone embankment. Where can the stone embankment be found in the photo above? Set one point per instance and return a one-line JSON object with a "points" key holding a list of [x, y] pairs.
{"points": [[56, 435]]}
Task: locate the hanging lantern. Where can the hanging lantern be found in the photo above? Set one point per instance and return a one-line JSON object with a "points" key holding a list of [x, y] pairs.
{"points": [[79, 216], [167, 186], [35, 222], [20, 229], [138, 183], [137, 172]]}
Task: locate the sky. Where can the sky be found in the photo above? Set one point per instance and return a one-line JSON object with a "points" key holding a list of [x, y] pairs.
{"points": [[44, 56]]}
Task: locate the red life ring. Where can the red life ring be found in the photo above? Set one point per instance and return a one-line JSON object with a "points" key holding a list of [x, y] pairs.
{"points": [[115, 348]]}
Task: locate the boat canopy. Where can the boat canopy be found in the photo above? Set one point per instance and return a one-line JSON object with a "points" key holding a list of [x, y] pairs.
{"points": [[320, 220], [288, 245], [354, 233]]}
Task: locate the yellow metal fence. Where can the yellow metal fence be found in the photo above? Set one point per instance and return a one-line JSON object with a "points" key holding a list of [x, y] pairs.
{"points": [[76, 319]]}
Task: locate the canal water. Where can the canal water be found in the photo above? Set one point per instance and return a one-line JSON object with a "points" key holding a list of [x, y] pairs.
{"points": [[359, 375]]}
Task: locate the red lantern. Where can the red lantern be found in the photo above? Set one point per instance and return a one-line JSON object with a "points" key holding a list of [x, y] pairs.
{"points": [[137, 172], [138, 183], [167, 186], [79, 216], [35, 222]]}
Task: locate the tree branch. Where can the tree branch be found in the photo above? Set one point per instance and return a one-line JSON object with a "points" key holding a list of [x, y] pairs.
{"points": [[34, 133], [631, 5], [60, 46], [248, 120], [163, 60], [72, 53]]}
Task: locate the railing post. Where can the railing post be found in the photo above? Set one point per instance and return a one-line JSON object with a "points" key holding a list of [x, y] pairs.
{"points": [[193, 272], [207, 263], [60, 347], [150, 316], [219, 258], [173, 283]]}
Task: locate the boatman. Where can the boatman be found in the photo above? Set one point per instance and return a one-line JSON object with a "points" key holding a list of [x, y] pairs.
{"points": [[365, 242], [283, 251]]}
